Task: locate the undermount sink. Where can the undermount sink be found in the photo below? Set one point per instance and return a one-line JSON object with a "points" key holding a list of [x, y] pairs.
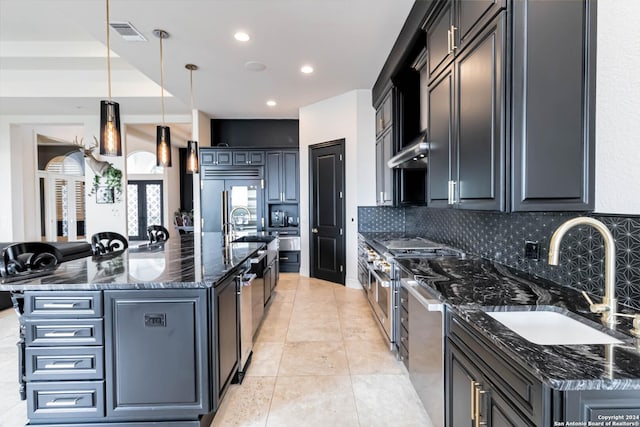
{"points": [[551, 328]]}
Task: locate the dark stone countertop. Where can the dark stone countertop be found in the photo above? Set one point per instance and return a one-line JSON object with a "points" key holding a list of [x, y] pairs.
{"points": [[185, 261], [472, 286]]}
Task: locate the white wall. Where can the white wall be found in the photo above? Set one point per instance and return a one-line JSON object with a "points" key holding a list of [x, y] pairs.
{"points": [[618, 107], [349, 116], [19, 219]]}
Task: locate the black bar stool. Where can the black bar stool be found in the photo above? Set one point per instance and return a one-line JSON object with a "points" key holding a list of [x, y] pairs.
{"points": [[28, 257], [108, 243], [157, 234]]}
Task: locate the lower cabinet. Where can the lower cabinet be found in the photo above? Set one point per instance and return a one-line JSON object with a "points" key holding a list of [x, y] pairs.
{"points": [[155, 369], [289, 261], [483, 386], [226, 336]]}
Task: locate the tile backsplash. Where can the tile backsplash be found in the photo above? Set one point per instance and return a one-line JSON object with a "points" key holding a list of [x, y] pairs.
{"points": [[501, 237]]}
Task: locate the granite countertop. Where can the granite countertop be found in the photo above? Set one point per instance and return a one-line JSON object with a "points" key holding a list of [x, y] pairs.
{"points": [[185, 261], [472, 286]]}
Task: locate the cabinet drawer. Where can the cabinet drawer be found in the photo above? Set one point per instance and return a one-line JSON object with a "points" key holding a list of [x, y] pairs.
{"points": [[65, 400], [404, 319], [64, 363], [289, 257], [63, 332], [524, 390], [404, 337], [63, 304]]}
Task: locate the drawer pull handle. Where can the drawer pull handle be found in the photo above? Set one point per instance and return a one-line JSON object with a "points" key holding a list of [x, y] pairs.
{"points": [[62, 365], [57, 334], [59, 305], [65, 402], [284, 258]]}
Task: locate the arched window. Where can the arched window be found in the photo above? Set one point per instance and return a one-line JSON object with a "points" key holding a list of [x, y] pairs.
{"points": [[143, 162], [69, 164]]}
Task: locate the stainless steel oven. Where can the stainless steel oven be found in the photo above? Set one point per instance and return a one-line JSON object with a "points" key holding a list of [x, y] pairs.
{"points": [[381, 298]]}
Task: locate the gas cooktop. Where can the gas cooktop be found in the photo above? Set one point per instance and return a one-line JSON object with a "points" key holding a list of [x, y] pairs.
{"points": [[417, 247]]}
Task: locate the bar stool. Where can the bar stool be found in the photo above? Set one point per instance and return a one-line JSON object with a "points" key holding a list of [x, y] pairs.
{"points": [[28, 257], [108, 243], [157, 234]]}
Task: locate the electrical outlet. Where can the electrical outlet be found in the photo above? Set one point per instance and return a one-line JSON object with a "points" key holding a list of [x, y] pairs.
{"points": [[531, 250]]}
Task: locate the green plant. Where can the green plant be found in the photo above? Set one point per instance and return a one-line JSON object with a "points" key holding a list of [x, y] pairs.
{"points": [[112, 179]]}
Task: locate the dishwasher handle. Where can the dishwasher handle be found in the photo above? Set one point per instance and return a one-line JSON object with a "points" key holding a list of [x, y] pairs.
{"points": [[430, 304]]}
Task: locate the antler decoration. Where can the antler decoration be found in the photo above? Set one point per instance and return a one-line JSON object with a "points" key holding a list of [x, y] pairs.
{"points": [[99, 167]]}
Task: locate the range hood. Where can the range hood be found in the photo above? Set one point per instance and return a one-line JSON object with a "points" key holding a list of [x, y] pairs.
{"points": [[414, 156]]}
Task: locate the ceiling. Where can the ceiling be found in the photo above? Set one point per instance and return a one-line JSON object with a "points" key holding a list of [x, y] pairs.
{"points": [[53, 54]]}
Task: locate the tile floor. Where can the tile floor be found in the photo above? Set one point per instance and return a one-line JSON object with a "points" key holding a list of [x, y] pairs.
{"points": [[319, 360]]}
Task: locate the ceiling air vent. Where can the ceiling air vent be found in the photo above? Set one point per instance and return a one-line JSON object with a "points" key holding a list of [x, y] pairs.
{"points": [[127, 31]]}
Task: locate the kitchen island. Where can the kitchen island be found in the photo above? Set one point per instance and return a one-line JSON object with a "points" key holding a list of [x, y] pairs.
{"points": [[149, 335]]}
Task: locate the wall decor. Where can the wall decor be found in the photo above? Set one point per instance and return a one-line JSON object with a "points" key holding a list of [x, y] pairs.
{"points": [[104, 194]]}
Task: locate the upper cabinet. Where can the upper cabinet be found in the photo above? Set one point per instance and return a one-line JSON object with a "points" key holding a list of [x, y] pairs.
{"points": [[553, 106], [455, 24], [384, 117], [281, 176], [466, 116], [249, 158]]}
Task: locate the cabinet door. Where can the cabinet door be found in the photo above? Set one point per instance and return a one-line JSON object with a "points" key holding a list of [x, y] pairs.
{"points": [[240, 158], [256, 158], [226, 327], [223, 158], [499, 412], [553, 113], [379, 176], [471, 16], [272, 176], [290, 176], [480, 121], [440, 100], [156, 354], [461, 378], [385, 171], [210, 205], [439, 49], [268, 277]]}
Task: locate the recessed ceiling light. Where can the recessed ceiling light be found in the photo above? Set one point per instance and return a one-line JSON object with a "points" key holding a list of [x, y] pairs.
{"points": [[271, 103], [255, 66], [242, 36], [306, 69]]}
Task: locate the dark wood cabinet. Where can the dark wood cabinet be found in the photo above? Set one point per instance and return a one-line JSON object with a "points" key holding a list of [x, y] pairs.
{"points": [[466, 122], [384, 114], [155, 364], [225, 336], [553, 108], [248, 158], [384, 175], [281, 176], [216, 157]]}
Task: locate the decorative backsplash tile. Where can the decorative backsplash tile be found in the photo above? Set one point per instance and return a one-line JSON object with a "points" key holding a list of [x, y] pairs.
{"points": [[501, 237], [372, 218]]}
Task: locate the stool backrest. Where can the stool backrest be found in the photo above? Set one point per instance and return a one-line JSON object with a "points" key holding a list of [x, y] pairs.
{"points": [[108, 243]]}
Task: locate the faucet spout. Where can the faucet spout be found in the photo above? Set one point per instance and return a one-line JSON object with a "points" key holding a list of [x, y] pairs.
{"points": [[608, 308]]}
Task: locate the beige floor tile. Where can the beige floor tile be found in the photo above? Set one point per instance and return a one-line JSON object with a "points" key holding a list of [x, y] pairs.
{"points": [[320, 329], [273, 331], [313, 358], [266, 359], [283, 295], [360, 327], [278, 311], [246, 405], [388, 400], [313, 401], [372, 357]]}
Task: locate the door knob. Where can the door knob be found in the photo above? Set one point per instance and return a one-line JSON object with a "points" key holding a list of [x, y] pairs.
{"points": [[314, 230]]}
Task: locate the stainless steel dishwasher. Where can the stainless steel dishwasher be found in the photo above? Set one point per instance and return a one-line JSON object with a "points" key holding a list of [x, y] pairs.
{"points": [[426, 349], [246, 323]]}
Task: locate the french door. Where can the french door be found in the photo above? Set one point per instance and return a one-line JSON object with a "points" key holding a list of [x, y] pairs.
{"points": [[144, 207]]}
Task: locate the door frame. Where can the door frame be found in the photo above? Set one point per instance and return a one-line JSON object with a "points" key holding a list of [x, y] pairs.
{"points": [[341, 143]]}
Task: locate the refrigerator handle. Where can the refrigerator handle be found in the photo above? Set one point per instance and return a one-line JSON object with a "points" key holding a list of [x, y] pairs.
{"points": [[225, 212]]}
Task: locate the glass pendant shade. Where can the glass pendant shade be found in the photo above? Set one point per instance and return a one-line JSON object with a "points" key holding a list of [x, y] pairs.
{"points": [[110, 142], [163, 146], [192, 157]]}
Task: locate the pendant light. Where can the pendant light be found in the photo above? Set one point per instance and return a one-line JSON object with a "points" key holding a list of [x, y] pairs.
{"points": [[192, 146], [110, 142], [163, 133]]}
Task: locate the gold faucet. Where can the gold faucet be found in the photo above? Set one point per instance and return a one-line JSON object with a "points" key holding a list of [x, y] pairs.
{"points": [[608, 307]]}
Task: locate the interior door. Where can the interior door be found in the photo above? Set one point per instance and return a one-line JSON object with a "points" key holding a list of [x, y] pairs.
{"points": [[144, 207], [62, 198], [327, 239]]}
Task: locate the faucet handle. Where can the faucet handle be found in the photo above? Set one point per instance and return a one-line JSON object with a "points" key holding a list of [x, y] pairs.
{"points": [[595, 308], [635, 331]]}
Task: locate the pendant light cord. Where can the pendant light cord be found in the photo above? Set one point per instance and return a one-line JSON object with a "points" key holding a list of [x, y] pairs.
{"points": [[162, 78], [191, 89], [108, 53]]}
